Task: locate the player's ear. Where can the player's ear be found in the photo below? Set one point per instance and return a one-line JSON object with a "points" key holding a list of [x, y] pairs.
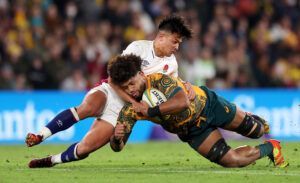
{"points": [[141, 73]]}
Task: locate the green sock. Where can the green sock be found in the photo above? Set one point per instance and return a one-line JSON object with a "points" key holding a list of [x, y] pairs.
{"points": [[265, 149]]}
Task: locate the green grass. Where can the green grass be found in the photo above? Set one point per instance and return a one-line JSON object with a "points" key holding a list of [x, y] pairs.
{"points": [[151, 162]]}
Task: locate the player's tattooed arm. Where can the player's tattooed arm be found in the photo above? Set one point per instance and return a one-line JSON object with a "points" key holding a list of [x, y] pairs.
{"points": [[175, 104], [120, 137], [177, 99], [126, 121]]}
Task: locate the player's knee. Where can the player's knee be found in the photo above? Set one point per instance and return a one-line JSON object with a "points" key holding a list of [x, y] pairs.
{"points": [[251, 127], [220, 153], [217, 151], [87, 110], [92, 105]]}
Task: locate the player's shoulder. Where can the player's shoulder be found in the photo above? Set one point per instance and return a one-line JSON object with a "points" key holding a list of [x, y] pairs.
{"points": [[139, 47], [142, 43], [155, 75], [158, 76]]}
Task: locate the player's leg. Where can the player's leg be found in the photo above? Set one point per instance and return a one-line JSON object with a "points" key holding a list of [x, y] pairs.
{"points": [[248, 125], [216, 150], [253, 126], [225, 114], [276, 157], [270, 148], [92, 105], [98, 136]]}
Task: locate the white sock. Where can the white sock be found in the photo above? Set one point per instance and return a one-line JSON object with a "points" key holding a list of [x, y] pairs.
{"points": [[45, 132], [56, 159]]}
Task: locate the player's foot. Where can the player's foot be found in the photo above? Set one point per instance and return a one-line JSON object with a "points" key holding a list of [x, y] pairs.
{"points": [[264, 123], [41, 163], [276, 157], [33, 139]]}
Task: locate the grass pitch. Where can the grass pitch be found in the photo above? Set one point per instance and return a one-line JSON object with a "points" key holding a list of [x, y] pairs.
{"points": [[153, 162]]}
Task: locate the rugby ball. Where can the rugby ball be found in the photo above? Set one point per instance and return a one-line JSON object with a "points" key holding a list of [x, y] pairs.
{"points": [[153, 97]]}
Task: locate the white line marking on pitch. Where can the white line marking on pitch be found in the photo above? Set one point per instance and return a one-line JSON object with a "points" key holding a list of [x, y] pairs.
{"points": [[232, 171], [139, 170]]}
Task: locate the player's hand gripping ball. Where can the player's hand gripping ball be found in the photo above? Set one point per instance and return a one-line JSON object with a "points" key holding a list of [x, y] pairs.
{"points": [[154, 97]]}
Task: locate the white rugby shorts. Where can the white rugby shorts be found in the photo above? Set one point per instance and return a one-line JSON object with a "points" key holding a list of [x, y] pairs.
{"points": [[113, 104]]}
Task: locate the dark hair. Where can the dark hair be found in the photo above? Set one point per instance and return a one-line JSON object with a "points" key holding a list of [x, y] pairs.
{"points": [[123, 67], [175, 24]]}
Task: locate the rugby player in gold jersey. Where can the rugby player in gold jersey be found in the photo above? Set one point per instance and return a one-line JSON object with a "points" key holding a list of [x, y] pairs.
{"points": [[195, 122]]}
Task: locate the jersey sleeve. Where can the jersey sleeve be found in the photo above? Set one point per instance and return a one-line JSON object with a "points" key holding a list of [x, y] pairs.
{"points": [[132, 48], [169, 86], [127, 116]]}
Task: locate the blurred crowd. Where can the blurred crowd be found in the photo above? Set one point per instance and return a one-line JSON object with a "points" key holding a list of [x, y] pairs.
{"points": [[54, 44]]}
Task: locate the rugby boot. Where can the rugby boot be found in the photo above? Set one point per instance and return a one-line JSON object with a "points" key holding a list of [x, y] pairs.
{"points": [[276, 157], [33, 139], [41, 163]]}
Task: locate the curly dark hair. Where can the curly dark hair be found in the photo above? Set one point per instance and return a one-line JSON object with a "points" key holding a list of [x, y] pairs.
{"points": [[175, 24], [123, 67]]}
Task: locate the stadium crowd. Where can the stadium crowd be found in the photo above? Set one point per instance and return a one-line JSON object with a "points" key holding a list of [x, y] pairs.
{"points": [[53, 44]]}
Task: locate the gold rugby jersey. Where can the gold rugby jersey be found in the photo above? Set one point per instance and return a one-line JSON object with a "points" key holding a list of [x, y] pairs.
{"points": [[173, 123]]}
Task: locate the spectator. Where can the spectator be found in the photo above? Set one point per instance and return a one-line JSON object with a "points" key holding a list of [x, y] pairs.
{"points": [[240, 43], [75, 82], [38, 76]]}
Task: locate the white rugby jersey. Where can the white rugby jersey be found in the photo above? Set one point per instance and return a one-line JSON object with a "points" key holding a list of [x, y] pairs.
{"points": [[152, 63], [113, 103]]}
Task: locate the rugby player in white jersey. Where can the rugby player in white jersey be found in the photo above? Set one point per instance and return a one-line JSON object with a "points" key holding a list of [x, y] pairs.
{"points": [[103, 101]]}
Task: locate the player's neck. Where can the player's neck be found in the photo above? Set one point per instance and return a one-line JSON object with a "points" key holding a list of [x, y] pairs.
{"points": [[156, 49]]}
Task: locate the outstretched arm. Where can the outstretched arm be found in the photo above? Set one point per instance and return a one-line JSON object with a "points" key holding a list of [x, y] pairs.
{"points": [[120, 137], [126, 121]]}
